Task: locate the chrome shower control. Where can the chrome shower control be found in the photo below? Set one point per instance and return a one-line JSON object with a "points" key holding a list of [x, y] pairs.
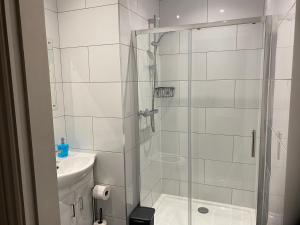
{"points": [[147, 112]]}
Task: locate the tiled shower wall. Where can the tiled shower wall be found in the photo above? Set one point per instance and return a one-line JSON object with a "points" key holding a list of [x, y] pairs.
{"points": [[281, 79], [226, 83], [94, 90]]}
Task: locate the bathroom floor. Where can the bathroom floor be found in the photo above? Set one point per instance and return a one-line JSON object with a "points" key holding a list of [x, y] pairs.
{"points": [[173, 210]]}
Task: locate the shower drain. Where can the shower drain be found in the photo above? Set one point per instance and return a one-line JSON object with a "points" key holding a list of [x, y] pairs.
{"points": [[203, 210]]}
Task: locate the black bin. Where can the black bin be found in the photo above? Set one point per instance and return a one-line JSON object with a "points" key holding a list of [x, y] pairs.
{"points": [[142, 216]]}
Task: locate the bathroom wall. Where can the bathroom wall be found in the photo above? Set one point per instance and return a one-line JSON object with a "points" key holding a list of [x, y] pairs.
{"points": [[226, 83], [281, 80], [94, 89], [177, 12]]}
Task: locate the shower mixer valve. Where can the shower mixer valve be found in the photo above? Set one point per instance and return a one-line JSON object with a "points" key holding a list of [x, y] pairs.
{"points": [[147, 112]]}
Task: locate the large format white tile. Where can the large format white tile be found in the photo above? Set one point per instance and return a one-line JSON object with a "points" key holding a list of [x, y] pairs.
{"points": [[284, 63], [169, 43], [243, 64], [243, 149], [207, 192], [59, 129], [66, 5], [93, 26], [204, 93], [130, 21], [109, 168], [173, 67], [235, 175], [170, 187], [105, 63], [54, 65], [57, 99], [206, 146], [250, 36], [93, 99], [243, 198], [170, 142], [214, 39], [51, 24], [176, 118], [50, 4], [147, 8], [75, 64], [94, 3], [234, 9], [232, 121], [199, 66], [108, 134], [248, 93], [193, 11], [285, 33], [79, 132], [278, 7], [176, 168]]}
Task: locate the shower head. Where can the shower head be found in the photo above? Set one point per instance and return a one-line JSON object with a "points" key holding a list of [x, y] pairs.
{"points": [[156, 43], [150, 55]]}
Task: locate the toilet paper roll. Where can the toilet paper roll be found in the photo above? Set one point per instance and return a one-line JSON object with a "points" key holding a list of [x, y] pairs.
{"points": [[98, 222], [101, 192]]}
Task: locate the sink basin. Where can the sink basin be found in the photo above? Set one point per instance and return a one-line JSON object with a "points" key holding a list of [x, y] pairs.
{"points": [[73, 168]]}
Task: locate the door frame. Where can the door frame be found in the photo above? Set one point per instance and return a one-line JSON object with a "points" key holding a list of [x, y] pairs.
{"points": [[28, 193]]}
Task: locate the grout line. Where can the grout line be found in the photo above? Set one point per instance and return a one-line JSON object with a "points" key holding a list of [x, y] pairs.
{"points": [[86, 8], [89, 64]]}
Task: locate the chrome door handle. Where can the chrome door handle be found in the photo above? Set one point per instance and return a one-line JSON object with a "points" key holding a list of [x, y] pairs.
{"points": [[253, 143]]}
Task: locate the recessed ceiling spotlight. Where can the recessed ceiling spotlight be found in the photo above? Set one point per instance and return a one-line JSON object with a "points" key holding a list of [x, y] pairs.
{"points": [[178, 16], [221, 10]]}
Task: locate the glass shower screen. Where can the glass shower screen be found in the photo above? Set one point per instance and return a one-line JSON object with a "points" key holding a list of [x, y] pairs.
{"points": [[199, 123]]}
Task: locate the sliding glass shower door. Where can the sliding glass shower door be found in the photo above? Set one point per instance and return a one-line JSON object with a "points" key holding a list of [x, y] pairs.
{"points": [[200, 94]]}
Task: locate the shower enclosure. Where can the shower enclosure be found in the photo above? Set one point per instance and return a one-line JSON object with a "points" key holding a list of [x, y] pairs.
{"points": [[202, 112]]}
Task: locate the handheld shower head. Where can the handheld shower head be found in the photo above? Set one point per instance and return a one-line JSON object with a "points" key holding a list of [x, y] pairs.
{"points": [[150, 55]]}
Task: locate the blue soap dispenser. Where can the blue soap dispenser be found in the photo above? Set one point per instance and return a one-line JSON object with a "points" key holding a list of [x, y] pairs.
{"points": [[63, 149]]}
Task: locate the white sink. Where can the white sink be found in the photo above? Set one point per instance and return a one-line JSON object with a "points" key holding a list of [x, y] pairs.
{"points": [[73, 168]]}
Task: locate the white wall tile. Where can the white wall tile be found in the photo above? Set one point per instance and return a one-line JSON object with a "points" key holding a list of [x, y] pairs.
{"points": [[243, 148], [214, 39], [59, 129], [285, 33], [131, 132], [278, 7], [169, 43], [79, 132], [250, 36], [170, 187], [130, 21], [244, 64], [66, 5], [51, 24], [173, 101], [50, 4], [93, 26], [105, 63], [193, 11], [108, 134], [284, 63], [94, 3], [173, 67], [243, 198], [109, 168], [206, 146], [179, 170], [54, 65], [231, 121], [204, 93], [174, 118], [199, 66], [93, 99], [235, 175], [207, 192], [248, 93], [234, 9], [75, 65], [57, 99], [170, 142]]}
